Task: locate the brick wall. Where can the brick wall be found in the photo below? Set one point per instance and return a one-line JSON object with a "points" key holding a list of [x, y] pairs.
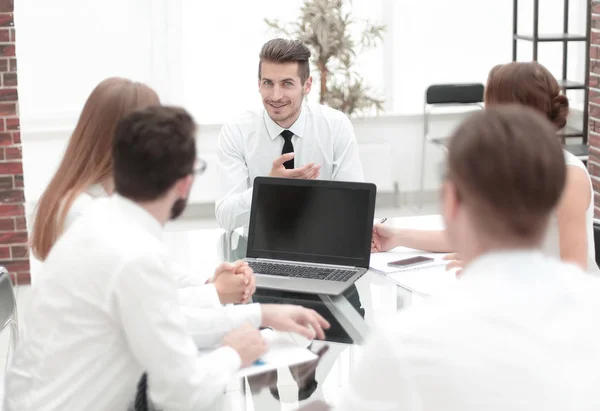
{"points": [[14, 253]]}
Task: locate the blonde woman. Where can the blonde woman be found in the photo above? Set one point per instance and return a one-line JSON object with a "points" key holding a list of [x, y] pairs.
{"points": [[86, 172]]}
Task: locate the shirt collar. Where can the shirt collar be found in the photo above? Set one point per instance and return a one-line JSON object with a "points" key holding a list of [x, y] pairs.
{"points": [[521, 262], [139, 215], [96, 191], [275, 129]]}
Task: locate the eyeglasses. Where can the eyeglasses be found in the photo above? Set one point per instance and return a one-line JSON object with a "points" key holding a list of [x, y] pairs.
{"points": [[199, 167]]}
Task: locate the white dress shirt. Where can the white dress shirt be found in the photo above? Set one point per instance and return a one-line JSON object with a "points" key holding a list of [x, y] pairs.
{"points": [[104, 310], [249, 145], [194, 291], [519, 332]]}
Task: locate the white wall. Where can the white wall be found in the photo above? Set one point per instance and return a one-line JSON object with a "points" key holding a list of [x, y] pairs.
{"points": [[390, 148], [203, 55]]}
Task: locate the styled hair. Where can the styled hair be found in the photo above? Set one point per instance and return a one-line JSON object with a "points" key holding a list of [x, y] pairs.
{"points": [[88, 157], [153, 148], [530, 84], [508, 169], [286, 51]]}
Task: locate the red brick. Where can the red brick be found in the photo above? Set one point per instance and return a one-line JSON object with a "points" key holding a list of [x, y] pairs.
{"points": [[11, 168], [7, 6], [21, 278], [9, 94], [20, 223], [15, 266], [6, 183], [7, 224], [595, 23], [5, 35], [19, 251], [19, 237], [18, 180], [13, 153], [12, 197], [13, 124], [12, 65], [595, 37], [9, 79], [4, 252], [594, 97], [16, 137], [7, 50], [594, 110], [596, 184], [6, 139], [6, 20], [593, 82], [8, 109], [13, 35]]}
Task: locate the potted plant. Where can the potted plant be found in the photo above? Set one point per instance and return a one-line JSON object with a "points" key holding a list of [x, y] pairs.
{"points": [[326, 28]]}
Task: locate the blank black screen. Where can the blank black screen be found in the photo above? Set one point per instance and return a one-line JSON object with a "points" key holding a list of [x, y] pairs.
{"points": [[312, 221]]}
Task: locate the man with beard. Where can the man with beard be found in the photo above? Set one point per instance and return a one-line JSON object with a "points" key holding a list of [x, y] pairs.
{"points": [[106, 308], [290, 138]]}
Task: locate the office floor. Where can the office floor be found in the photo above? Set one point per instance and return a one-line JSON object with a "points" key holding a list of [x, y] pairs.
{"points": [[196, 223]]}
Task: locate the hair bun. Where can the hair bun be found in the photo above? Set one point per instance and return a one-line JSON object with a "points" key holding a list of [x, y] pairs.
{"points": [[559, 110]]}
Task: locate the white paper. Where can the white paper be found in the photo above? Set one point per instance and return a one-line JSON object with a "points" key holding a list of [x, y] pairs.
{"points": [[427, 279], [379, 261], [282, 352]]}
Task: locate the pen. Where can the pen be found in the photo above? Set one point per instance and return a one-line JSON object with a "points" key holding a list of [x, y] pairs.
{"points": [[383, 220]]}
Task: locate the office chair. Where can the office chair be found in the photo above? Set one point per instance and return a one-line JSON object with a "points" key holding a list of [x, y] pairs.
{"points": [[597, 240], [8, 311], [444, 96]]}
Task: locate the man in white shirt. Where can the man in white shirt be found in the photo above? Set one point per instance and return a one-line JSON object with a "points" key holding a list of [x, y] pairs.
{"points": [[106, 308], [519, 331], [289, 138]]}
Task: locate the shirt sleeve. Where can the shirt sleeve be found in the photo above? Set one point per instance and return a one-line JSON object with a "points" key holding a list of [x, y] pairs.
{"points": [[208, 326], [235, 198], [380, 382], [146, 306], [346, 160]]}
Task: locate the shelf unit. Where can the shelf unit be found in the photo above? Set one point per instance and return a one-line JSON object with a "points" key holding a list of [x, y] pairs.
{"points": [[569, 132]]}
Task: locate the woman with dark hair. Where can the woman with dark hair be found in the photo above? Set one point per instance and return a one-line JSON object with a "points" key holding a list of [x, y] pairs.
{"points": [[570, 236]]}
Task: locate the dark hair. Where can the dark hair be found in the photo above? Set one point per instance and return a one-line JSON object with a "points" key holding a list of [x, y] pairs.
{"points": [[286, 51], [530, 84], [509, 169], [153, 148]]}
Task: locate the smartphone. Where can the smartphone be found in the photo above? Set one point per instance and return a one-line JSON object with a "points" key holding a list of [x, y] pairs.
{"points": [[409, 262]]}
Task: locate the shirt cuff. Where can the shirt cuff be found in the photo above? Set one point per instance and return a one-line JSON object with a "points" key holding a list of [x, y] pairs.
{"points": [[228, 359]]}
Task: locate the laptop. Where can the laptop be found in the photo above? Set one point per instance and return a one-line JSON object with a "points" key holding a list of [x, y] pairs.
{"points": [[310, 236]]}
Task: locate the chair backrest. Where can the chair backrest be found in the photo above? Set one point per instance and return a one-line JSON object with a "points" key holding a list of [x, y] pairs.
{"points": [[597, 240], [8, 309], [467, 93]]}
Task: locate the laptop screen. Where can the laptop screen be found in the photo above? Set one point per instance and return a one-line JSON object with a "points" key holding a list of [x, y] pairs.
{"points": [[312, 221]]}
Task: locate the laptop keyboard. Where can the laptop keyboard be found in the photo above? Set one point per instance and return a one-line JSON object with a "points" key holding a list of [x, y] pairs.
{"points": [[301, 271]]}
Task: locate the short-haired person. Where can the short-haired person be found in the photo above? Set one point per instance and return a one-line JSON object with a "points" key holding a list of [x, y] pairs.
{"points": [[290, 138], [85, 173], [519, 331], [106, 307], [571, 233]]}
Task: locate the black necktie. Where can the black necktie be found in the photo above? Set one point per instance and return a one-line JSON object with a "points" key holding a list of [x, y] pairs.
{"points": [[288, 147], [141, 396]]}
